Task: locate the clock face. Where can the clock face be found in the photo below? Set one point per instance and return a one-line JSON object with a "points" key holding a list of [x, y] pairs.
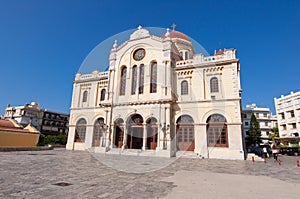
{"points": [[139, 54]]}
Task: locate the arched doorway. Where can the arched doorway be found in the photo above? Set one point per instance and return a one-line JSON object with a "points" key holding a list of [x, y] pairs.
{"points": [[217, 135], [135, 132], [185, 133], [99, 130], [119, 133], [152, 129]]}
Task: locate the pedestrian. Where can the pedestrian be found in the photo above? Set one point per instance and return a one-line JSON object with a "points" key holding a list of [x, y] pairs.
{"points": [[265, 152], [275, 155]]}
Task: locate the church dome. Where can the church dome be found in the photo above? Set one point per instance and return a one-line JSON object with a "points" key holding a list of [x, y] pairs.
{"points": [[176, 34]]}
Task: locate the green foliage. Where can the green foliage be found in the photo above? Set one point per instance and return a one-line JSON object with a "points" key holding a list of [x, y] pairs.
{"points": [[274, 134], [254, 132], [41, 140], [52, 139]]}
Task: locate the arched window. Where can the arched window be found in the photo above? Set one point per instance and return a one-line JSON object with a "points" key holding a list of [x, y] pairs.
{"points": [[102, 97], [186, 55], [214, 85], [185, 133], [134, 79], [84, 96], [141, 79], [80, 130], [184, 87], [217, 135], [153, 83], [123, 81], [99, 128]]}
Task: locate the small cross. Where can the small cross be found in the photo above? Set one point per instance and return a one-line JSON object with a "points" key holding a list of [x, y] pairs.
{"points": [[173, 26]]}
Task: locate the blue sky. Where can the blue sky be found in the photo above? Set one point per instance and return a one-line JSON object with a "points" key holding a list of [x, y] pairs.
{"points": [[43, 43]]}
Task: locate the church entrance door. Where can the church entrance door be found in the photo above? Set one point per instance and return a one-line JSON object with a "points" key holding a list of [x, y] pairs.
{"points": [[135, 132], [135, 138]]}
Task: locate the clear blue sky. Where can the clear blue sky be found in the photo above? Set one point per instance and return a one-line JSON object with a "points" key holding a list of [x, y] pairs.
{"points": [[43, 43]]}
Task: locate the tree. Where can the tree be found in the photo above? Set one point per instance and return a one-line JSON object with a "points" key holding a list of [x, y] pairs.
{"points": [[254, 132], [274, 134]]}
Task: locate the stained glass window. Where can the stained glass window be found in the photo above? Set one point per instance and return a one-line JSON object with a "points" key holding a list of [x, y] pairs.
{"points": [[123, 81], [153, 84], [214, 85], [134, 79], [217, 131], [184, 88], [141, 79]]}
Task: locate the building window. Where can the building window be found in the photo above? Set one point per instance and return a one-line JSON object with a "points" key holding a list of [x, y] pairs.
{"points": [[246, 123], [153, 84], [185, 133], [284, 127], [184, 87], [293, 125], [84, 97], [265, 114], [257, 115], [292, 114], [247, 133], [102, 97], [186, 55], [141, 79], [214, 85], [123, 81], [99, 129], [80, 130], [282, 116], [134, 79], [217, 131], [266, 124]]}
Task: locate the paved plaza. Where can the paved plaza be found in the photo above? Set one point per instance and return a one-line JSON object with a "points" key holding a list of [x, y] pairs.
{"points": [[73, 174]]}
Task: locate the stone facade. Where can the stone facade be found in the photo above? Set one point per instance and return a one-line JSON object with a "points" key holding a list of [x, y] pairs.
{"points": [[159, 96]]}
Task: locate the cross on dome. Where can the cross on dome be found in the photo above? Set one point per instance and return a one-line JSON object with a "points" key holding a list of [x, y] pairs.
{"points": [[173, 26]]}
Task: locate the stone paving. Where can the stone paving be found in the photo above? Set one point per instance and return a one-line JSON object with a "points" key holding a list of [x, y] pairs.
{"points": [[35, 174]]}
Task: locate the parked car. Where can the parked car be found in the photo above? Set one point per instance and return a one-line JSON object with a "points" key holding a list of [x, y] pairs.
{"points": [[289, 151]]}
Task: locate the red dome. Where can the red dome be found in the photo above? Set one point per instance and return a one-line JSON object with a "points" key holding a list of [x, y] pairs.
{"points": [[176, 34], [6, 123]]}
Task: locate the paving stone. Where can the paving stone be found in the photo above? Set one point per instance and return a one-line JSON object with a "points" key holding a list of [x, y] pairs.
{"points": [[27, 174]]}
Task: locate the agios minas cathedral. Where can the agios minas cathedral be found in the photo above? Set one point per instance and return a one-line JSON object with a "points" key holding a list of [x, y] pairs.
{"points": [[159, 98]]}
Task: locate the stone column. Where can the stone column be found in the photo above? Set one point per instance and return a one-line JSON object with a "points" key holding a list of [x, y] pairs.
{"points": [[112, 136], [144, 137], [88, 136], [124, 137], [71, 136], [167, 131]]}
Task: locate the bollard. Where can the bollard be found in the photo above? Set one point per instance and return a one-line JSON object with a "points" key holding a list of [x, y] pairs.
{"points": [[279, 163], [265, 160], [252, 159], [297, 163]]}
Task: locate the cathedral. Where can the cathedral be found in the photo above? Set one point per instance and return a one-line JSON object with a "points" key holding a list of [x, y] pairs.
{"points": [[158, 97]]}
